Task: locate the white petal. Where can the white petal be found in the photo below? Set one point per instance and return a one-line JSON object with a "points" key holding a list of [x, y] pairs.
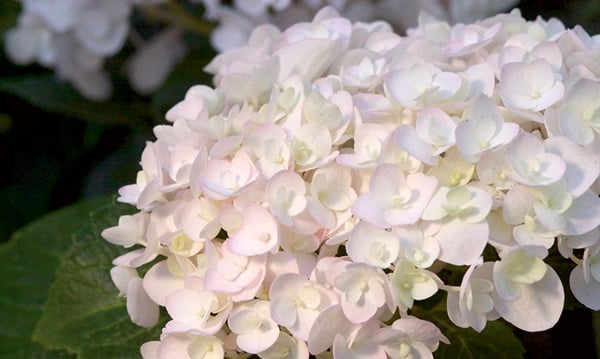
{"points": [[159, 282], [462, 243], [538, 308], [588, 293], [142, 310], [329, 323]]}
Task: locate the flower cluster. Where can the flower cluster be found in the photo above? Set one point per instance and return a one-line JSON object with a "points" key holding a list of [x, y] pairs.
{"points": [[308, 201], [237, 20], [74, 37]]}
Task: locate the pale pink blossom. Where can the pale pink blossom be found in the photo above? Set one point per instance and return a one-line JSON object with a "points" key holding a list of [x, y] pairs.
{"points": [[255, 330], [410, 337], [296, 302], [394, 199], [483, 129]]}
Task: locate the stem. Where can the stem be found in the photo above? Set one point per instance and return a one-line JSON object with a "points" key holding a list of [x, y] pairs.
{"points": [[449, 288], [576, 260], [174, 13]]}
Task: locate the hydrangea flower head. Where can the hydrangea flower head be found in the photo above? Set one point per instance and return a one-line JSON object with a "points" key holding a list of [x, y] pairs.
{"points": [[305, 205]]}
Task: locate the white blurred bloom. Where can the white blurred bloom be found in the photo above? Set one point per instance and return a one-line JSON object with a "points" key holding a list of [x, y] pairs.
{"points": [[153, 62], [72, 37]]}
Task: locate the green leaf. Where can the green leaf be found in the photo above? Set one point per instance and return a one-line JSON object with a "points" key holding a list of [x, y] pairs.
{"points": [[83, 313], [497, 340], [43, 91], [27, 267], [8, 15]]}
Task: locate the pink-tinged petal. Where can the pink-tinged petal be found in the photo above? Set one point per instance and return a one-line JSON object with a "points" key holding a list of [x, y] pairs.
{"points": [[372, 245], [529, 86], [468, 38], [184, 304], [250, 86], [421, 331], [258, 234], [328, 324], [159, 282], [130, 230], [306, 318], [285, 192], [174, 346], [481, 78], [142, 310], [482, 129], [128, 258], [292, 347], [321, 214], [538, 307], [445, 85], [517, 204], [385, 181], [388, 192], [512, 86], [281, 263], [453, 310], [240, 276], [550, 97], [189, 109], [284, 286], [406, 137], [311, 144], [359, 345], [309, 57], [284, 312], [360, 305], [507, 133], [405, 86], [423, 187], [255, 329], [586, 292], [221, 179], [368, 210], [121, 275], [462, 243], [296, 302], [149, 350], [435, 126], [580, 107], [575, 128], [257, 342], [304, 224], [532, 164]]}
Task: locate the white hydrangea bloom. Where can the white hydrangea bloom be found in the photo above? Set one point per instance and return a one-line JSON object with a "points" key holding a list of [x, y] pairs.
{"points": [[299, 211]]}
